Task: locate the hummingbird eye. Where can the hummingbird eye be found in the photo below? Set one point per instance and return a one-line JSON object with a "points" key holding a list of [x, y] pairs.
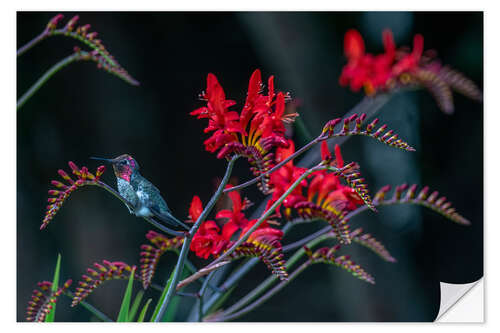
{"points": [[124, 162]]}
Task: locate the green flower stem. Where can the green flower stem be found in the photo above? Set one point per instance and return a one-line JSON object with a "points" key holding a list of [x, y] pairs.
{"points": [[187, 240], [267, 295], [272, 278], [32, 43], [230, 282], [48, 74], [202, 294], [305, 240], [90, 308], [64, 32], [266, 214]]}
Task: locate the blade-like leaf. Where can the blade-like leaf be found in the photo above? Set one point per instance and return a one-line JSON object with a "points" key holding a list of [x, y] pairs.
{"points": [[162, 297], [172, 308], [55, 284], [124, 308], [135, 305], [143, 311]]}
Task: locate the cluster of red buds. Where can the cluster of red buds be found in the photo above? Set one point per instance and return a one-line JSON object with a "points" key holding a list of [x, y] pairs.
{"points": [[327, 255], [150, 254], [62, 191], [432, 201], [43, 300], [116, 270], [99, 54], [389, 138]]}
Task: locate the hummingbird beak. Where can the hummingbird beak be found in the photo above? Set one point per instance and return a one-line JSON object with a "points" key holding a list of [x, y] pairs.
{"points": [[102, 159]]}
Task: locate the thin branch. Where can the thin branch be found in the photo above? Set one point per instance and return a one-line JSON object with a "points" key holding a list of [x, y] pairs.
{"points": [[200, 273], [272, 278], [266, 296], [202, 294], [47, 75], [96, 312], [187, 240], [32, 43], [305, 240]]}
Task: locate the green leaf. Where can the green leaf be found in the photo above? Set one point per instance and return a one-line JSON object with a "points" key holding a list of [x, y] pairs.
{"points": [[135, 305], [162, 297], [124, 308], [143, 311], [55, 285], [172, 309], [220, 301]]}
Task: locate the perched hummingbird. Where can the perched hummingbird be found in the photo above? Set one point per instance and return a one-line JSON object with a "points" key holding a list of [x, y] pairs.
{"points": [[145, 198]]}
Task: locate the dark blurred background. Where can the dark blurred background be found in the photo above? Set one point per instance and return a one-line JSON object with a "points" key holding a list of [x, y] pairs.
{"points": [[83, 111]]}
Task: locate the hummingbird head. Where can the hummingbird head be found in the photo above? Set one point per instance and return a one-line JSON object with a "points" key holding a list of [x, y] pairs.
{"points": [[123, 166]]}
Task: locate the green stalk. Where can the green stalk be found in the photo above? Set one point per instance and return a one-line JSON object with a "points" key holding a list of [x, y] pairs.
{"points": [[170, 287], [55, 285], [47, 75], [202, 294], [267, 295], [162, 297], [32, 43], [271, 279]]}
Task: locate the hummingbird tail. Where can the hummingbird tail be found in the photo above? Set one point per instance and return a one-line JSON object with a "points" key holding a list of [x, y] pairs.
{"points": [[170, 219]]}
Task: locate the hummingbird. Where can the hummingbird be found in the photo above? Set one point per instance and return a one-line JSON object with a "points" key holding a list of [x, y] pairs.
{"points": [[144, 197]]}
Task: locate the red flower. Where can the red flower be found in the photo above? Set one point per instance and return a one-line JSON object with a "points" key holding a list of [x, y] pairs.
{"points": [[330, 193], [322, 190], [284, 177], [254, 132], [410, 62], [236, 219], [207, 239], [195, 209], [364, 69], [264, 113], [393, 69]]}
